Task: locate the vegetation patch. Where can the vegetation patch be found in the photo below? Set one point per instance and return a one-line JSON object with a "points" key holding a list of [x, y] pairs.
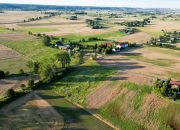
{"points": [[132, 109], [2, 30], [83, 80]]}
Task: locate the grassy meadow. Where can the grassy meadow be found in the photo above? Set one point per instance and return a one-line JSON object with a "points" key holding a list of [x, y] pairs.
{"points": [[82, 81]]}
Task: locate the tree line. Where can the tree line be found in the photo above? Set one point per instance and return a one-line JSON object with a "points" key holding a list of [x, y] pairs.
{"points": [[136, 23], [165, 88], [167, 40]]}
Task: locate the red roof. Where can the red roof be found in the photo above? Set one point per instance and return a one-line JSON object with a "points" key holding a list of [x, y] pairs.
{"points": [[108, 44], [175, 83]]}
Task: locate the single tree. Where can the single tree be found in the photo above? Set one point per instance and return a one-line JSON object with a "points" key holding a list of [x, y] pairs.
{"points": [[11, 93], [2, 74], [46, 40], [47, 73], [64, 58], [34, 66]]}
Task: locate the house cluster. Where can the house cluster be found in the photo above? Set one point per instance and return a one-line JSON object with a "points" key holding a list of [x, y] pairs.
{"points": [[116, 46], [61, 46], [177, 84]]}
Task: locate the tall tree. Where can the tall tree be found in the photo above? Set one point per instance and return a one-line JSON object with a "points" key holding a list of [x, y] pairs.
{"points": [[64, 58], [47, 73], [46, 40]]}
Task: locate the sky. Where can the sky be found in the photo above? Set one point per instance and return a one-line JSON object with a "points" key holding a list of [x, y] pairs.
{"points": [[106, 3]]}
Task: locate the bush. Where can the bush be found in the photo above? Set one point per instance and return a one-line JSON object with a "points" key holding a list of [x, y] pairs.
{"points": [[31, 84], [21, 71], [23, 87], [11, 93], [2, 74]]}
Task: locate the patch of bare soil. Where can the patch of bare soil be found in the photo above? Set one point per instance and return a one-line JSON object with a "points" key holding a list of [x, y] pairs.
{"points": [[132, 66], [7, 53], [135, 78], [30, 112], [13, 83], [102, 95], [138, 38]]}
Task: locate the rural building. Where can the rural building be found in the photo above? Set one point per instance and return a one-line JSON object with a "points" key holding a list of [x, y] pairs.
{"points": [[108, 44], [120, 46], [177, 83], [61, 46]]}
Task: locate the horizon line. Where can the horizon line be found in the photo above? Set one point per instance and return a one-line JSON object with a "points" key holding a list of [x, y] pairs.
{"points": [[91, 6]]}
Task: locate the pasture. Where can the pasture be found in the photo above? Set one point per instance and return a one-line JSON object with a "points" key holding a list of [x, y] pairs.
{"points": [[11, 61], [105, 86], [82, 81]]}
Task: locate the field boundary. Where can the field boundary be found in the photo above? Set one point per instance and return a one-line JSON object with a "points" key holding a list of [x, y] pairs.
{"points": [[97, 116]]}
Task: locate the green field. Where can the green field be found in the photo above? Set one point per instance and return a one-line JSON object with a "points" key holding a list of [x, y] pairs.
{"points": [[2, 30], [109, 36], [14, 65], [32, 49], [158, 62], [75, 117], [83, 80]]}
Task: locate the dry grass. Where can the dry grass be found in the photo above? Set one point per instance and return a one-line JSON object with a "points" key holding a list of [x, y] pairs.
{"points": [[14, 36], [138, 38], [30, 112], [7, 53], [18, 16], [156, 27]]}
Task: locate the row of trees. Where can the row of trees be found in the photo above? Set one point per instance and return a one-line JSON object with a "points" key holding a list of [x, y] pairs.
{"points": [[165, 88], [49, 15], [136, 23], [60, 61], [167, 40], [94, 24], [73, 17]]}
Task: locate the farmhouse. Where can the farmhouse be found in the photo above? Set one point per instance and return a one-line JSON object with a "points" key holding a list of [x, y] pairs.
{"points": [[61, 46], [177, 83], [108, 44], [120, 46]]}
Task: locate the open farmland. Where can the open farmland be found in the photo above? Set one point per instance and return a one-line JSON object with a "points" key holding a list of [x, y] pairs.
{"points": [[10, 17], [156, 27], [11, 61], [30, 112], [75, 82]]}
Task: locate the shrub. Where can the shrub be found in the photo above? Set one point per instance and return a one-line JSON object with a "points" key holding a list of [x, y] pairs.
{"points": [[21, 71], [11, 93], [31, 84], [2, 74], [23, 87]]}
